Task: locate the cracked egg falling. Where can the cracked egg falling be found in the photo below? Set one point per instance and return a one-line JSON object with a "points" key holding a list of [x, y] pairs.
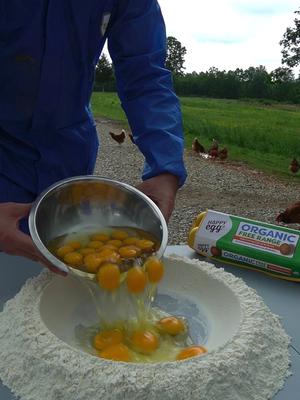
{"points": [[122, 300]]}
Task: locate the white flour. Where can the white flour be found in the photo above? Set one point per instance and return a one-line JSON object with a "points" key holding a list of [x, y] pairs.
{"points": [[36, 365]]}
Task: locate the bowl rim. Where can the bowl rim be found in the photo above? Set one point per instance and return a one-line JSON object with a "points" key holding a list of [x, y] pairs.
{"points": [[32, 215]]}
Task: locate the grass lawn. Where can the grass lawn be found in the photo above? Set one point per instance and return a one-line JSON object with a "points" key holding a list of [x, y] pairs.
{"points": [[266, 136]]}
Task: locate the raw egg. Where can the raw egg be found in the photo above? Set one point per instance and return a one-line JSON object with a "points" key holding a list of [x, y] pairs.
{"points": [[92, 262], [73, 259], [101, 237], [144, 341], [127, 252], [136, 280], [109, 277], [107, 338], [117, 352], [155, 269], [95, 244], [62, 251], [171, 325], [74, 245], [191, 351], [130, 240], [145, 245], [119, 235]]}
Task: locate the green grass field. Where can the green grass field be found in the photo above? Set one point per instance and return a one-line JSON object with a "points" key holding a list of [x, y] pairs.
{"points": [[266, 137]]}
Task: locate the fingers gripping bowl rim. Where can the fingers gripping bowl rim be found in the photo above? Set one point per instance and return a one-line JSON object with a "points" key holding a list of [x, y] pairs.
{"points": [[91, 202]]}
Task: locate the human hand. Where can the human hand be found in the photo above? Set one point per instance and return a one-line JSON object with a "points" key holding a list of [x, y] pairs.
{"points": [[162, 190], [15, 242]]}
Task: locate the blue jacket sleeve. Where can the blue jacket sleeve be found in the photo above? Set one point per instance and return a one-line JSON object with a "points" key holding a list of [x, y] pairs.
{"points": [[137, 46]]}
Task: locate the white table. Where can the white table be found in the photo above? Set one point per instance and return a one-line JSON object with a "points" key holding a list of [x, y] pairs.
{"points": [[283, 298]]}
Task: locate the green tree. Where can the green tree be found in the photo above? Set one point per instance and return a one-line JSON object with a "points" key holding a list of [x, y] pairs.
{"points": [[258, 82], [175, 56], [104, 73], [282, 75], [291, 44]]}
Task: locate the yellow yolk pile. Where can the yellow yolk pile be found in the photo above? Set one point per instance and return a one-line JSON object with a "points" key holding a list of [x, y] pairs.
{"points": [[105, 253], [115, 246], [126, 258], [150, 341]]}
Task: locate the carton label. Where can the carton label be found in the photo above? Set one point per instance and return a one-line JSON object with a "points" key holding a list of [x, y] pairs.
{"points": [[260, 246], [266, 238], [238, 258], [214, 226]]}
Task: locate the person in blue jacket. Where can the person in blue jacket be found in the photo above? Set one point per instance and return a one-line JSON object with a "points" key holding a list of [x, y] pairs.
{"points": [[48, 53]]}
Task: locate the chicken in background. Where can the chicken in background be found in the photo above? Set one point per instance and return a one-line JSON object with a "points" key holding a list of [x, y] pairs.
{"points": [[291, 215], [214, 150], [294, 166], [197, 146], [213, 153], [119, 138], [223, 154], [130, 135]]}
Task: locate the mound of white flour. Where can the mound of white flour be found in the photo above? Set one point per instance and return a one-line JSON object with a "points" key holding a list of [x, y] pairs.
{"points": [[36, 365]]}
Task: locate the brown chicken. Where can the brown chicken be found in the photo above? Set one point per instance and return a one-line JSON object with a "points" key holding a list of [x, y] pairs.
{"points": [[197, 146], [294, 166], [119, 138], [291, 214], [213, 151], [215, 145], [130, 135], [223, 154]]}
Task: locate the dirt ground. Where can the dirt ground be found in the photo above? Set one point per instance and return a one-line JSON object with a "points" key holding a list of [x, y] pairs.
{"points": [[230, 187]]}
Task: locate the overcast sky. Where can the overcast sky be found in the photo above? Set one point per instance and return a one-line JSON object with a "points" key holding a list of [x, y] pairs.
{"points": [[229, 34]]}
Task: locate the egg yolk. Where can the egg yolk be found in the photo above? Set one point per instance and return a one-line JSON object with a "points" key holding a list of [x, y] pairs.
{"points": [[191, 351], [92, 262], [117, 352], [130, 240], [115, 242], [155, 269], [74, 245], [110, 256], [95, 244], [128, 252], [109, 277], [144, 342], [73, 259], [107, 338], [62, 251], [120, 235], [136, 280], [108, 246], [86, 250], [101, 237], [137, 249], [145, 245], [171, 325]]}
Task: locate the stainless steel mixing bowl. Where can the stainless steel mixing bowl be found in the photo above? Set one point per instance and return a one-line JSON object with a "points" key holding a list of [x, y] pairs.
{"points": [[87, 204]]}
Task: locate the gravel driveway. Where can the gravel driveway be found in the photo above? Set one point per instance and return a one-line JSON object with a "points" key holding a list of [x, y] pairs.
{"points": [[227, 186]]}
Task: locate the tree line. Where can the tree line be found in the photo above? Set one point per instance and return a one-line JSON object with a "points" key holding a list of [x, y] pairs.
{"points": [[253, 82]]}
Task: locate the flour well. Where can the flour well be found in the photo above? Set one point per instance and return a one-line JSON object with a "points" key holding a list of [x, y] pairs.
{"points": [[35, 364]]}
